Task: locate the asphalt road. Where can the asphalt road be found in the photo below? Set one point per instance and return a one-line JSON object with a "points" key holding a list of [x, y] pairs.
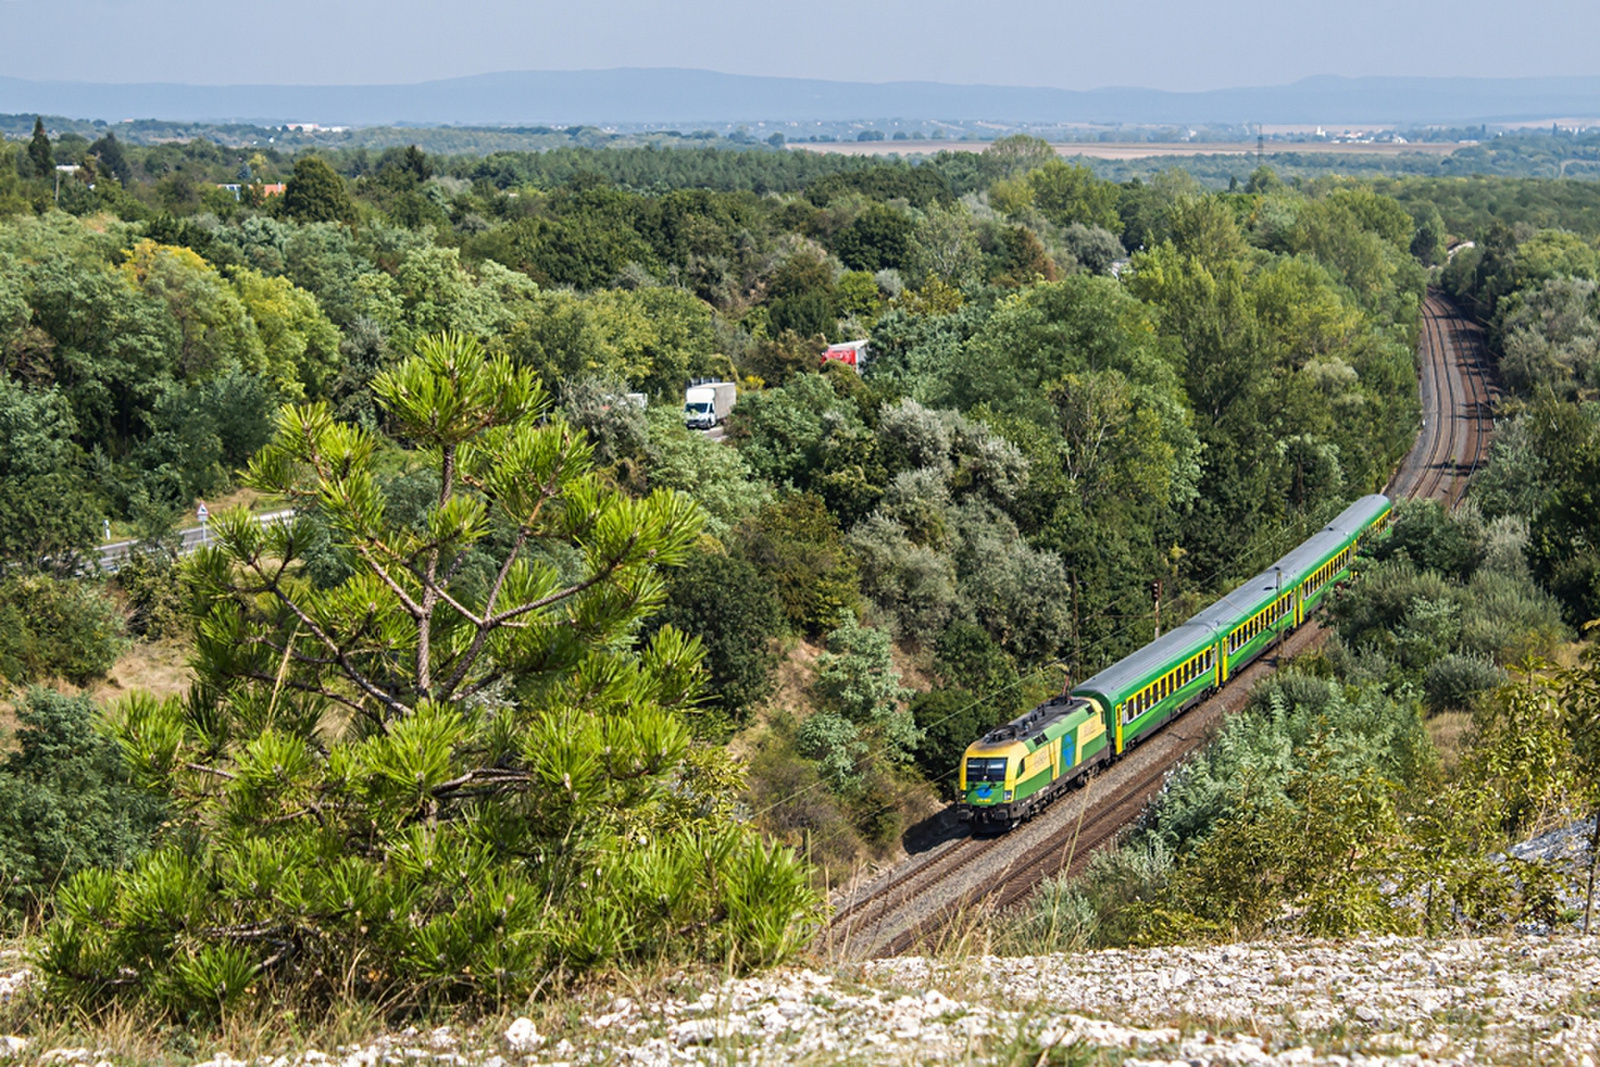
{"points": [[191, 538]]}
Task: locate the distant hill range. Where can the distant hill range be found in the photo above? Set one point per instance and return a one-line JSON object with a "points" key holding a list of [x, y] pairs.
{"points": [[686, 97]]}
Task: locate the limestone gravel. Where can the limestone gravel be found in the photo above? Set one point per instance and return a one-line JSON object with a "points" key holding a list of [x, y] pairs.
{"points": [[1515, 1000]]}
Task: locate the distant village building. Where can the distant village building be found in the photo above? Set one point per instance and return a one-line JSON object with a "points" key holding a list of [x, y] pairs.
{"points": [[262, 190]]}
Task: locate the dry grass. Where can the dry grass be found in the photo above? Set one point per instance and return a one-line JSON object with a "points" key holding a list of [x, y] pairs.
{"points": [[160, 669], [273, 1028], [250, 499], [8, 724], [792, 681], [916, 668], [1450, 732]]}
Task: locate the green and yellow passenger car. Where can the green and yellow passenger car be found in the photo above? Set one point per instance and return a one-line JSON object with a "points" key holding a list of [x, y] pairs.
{"points": [[1015, 769]]}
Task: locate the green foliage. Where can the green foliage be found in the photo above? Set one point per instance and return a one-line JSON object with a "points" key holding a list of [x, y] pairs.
{"points": [[653, 338], [66, 803], [617, 427], [152, 592], [413, 785], [299, 346], [1292, 820], [200, 434], [1068, 193], [879, 238], [40, 156], [797, 546], [717, 477], [316, 193], [864, 712], [1454, 682], [1418, 617], [944, 247], [806, 436], [1520, 761], [1094, 248], [108, 150], [57, 628], [47, 512], [981, 689], [856, 676], [720, 599], [1423, 532]]}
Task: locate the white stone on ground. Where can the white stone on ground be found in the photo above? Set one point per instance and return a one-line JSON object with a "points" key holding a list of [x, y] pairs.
{"points": [[1523, 999]]}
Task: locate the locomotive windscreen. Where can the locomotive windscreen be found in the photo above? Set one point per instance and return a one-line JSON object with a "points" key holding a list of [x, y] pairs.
{"points": [[986, 770]]}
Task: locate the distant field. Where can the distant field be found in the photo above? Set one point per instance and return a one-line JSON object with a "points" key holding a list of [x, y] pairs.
{"points": [[1135, 150]]}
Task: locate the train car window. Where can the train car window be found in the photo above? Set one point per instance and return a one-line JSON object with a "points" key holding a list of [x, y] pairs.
{"points": [[986, 770]]}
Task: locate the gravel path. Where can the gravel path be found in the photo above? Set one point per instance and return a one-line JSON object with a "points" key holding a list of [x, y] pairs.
{"points": [[1516, 1000]]}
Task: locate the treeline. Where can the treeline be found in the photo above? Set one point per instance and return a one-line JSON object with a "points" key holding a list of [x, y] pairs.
{"points": [[1538, 293]]}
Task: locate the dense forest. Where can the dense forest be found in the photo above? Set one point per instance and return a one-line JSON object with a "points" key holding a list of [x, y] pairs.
{"points": [[525, 649]]}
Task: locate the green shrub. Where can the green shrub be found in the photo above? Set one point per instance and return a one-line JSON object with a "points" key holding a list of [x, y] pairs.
{"points": [[1454, 682], [153, 595], [724, 602], [795, 542], [57, 627], [949, 720], [66, 803]]}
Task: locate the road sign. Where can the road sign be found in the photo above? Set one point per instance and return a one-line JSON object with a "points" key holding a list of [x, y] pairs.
{"points": [[201, 513]]}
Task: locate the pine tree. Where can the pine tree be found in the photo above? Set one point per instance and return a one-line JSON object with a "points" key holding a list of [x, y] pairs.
{"points": [[108, 150], [316, 193], [39, 154], [454, 772]]}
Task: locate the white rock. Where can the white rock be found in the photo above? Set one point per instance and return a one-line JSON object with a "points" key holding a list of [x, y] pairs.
{"points": [[694, 1032], [521, 1036]]}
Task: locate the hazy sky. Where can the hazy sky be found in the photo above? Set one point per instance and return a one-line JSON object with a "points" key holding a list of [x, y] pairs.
{"points": [[1071, 44]]}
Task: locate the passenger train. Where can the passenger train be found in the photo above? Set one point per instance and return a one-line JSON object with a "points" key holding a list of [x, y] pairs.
{"points": [[1018, 768]]}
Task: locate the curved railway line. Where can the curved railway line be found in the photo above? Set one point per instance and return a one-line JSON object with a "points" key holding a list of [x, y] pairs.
{"points": [[941, 891]]}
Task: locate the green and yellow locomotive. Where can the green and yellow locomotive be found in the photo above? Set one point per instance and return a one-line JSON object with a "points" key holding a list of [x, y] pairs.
{"points": [[1017, 768]]}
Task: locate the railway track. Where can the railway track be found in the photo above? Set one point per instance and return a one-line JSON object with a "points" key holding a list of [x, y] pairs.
{"points": [[937, 894], [1458, 397], [947, 889]]}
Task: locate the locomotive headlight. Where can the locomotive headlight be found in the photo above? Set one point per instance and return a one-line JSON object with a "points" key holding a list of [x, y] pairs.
{"points": [[1008, 794]]}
